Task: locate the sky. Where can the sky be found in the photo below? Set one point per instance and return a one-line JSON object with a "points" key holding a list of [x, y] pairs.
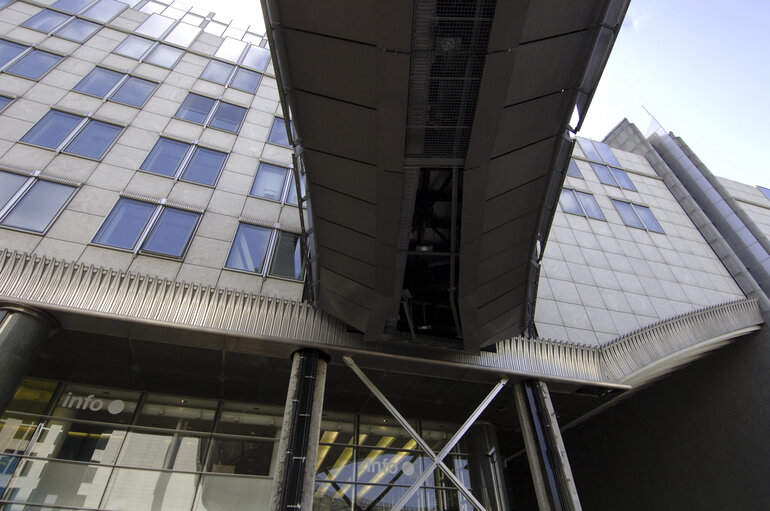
{"points": [[701, 67]]}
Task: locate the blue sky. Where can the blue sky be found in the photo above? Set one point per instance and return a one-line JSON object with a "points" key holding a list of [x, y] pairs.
{"points": [[702, 69]]}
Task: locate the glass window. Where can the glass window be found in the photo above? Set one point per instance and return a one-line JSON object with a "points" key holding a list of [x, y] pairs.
{"points": [[182, 35], [134, 91], [131, 489], [604, 174], [164, 56], [52, 129], [47, 481], [249, 248], [252, 457], [291, 197], [204, 166], [84, 402], [78, 30], [38, 206], [105, 10], [195, 108], [155, 26], [99, 82], [628, 214], [278, 133], [134, 47], [228, 117], [34, 64], [649, 220], [622, 178], [287, 257], [569, 202], [91, 443], [606, 153], [172, 232], [32, 396], [71, 6], [165, 157], [9, 51], [765, 191], [179, 413], [94, 139], [10, 184], [218, 72], [573, 170], [257, 58], [590, 206], [230, 49], [246, 80], [589, 150], [46, 20], [269, 181], [125, 224]]}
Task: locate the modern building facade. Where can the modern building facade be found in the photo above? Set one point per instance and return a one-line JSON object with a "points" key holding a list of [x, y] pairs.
{"points": [[165, 250]]}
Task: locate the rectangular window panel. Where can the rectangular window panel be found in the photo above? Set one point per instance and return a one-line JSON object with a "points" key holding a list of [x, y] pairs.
{"points": [[269, 181], [257, 58], [4, 102], [228, 117], [606, 153], [94, 139], [125, 224], [9, 185], [569, 202], [287, 257], [99, 82], [134, 91], [195, 108], [155, 26], [628, 214], [78, 30], [71, 6], [172, 232], [230, 49], [765, 191], [573, 170], [52, 129], [9, 51], [164, 56], [649, 220], [165, 157], [590, 206], [291, 196], [182, 35], [589, 150], [46, 21], [622, 178], [278, 133], [34, 64], [604, 174], [204, 166], [249, 248], [37, 208], [134, 47], [217, 72], [105, 10], [246, 80]]}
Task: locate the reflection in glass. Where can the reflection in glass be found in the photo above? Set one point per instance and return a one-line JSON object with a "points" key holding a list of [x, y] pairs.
{"points": [[134, 46], [228, 117], [126, 222], [183, 35], [246, 80], [78, 442], [32, 396], [9, 51], [59, 483], [169, 451], [39, 205], [257, 58], [287, 257], [204, 166], [34, 64], [46, 20], [52, 129], [105, 10], [251, 457], [15, 434], [173, 412], [85, 402], [249, 248], [94, 139], [172, 232], [98, 82], [227, 493], [165, 157], [155, 26], [164, 56], [78, 30], [217, 72], [9, 185], [134, 91], [195, 108], [269, 181], [250, 420], [278, 133], [132, 490]]}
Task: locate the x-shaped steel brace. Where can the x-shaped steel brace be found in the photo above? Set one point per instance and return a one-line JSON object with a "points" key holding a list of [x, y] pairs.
{"points": [[437, 459]]}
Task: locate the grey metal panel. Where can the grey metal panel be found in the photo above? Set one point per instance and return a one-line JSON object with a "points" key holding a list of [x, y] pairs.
{"points": [[553, 17]]}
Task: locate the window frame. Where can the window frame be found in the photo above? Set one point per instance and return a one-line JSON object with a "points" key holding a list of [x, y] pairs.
{"points": [[269, 254], [185, 161], [231, 75], [152, 222], [17, 197], [118, 85], [211, 115], [573, 170], [762, 189], [612, 171], [25, 53], [149, 52], [639, 217], [577, 195], [80, 127], [70, 18], [277, 119], [10, 101], [288, 182]]}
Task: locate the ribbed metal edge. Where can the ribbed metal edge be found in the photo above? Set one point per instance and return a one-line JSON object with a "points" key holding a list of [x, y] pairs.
{"points": [[58, 284]]}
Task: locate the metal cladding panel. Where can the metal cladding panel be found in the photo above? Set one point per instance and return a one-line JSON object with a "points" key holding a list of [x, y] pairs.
{"points": [[549, 18]]}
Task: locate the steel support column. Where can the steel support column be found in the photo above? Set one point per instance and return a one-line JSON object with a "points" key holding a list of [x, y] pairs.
{"points": [[22, 332], [551, 474], [293, 482]]}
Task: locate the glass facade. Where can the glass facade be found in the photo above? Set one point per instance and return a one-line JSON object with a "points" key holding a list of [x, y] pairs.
{"points": [[104, 448]]}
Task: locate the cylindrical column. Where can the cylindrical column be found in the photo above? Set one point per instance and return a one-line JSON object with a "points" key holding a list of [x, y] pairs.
{"points": [[298, 445], [551, 473], [22, 332]]}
